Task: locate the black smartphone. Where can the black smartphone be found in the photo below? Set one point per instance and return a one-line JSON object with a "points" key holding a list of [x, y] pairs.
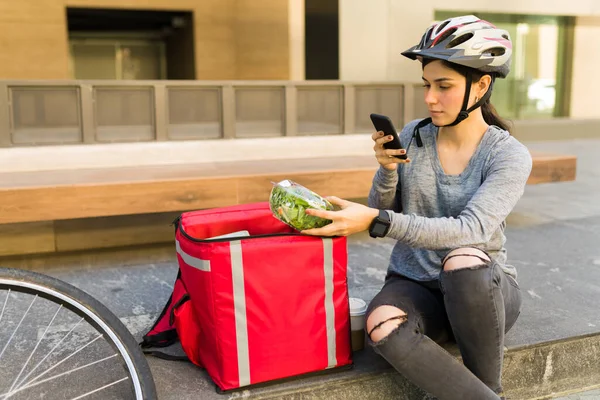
{"points": [[384, 123]]}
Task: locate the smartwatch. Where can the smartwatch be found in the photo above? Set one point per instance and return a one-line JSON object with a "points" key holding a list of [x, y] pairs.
{"points": [[380, 225]]}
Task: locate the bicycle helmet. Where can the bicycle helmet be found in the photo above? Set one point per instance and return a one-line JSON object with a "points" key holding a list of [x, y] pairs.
{"points": [[471, 42]]}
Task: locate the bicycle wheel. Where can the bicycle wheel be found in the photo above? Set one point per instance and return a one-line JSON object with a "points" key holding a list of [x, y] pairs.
{"points": [[57, 341]]}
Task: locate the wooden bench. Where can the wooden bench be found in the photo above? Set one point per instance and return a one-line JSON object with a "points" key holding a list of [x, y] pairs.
{"points": [[63, 195]]}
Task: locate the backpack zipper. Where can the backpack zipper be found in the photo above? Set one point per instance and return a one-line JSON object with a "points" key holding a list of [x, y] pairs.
{"points": [[177, 223]]}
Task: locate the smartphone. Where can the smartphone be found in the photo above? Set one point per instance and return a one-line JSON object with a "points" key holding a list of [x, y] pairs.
{"points": [[384, 124]]}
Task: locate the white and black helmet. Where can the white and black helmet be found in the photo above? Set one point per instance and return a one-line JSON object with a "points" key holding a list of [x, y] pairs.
{"points": [[467, 41]]}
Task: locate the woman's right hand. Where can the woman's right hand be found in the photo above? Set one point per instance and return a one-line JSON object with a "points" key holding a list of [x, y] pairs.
{"points": [[387, 158]]}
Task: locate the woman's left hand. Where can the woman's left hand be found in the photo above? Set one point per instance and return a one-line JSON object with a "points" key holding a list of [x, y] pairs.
{"points": [[352, 218]]}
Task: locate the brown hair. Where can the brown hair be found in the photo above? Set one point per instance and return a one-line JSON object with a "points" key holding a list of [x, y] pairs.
{"points": [[490, 115]]}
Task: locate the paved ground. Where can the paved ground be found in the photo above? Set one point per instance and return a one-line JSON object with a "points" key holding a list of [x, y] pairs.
{"points": [[553, 240], [587, 395]]}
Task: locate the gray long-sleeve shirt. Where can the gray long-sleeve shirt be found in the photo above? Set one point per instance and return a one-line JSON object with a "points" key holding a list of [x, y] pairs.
{"points": [[437, 212]]}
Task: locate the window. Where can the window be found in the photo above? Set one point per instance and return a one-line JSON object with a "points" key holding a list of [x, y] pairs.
{"points": [[98, 58], [537, 84], [131, 44]]}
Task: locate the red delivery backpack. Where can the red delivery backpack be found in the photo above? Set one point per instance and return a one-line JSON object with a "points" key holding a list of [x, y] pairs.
{"points": [[263, 304]]}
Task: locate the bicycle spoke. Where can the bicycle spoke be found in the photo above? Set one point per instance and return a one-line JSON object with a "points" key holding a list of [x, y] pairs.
{"points": [[62, 361], [48, 355], [53, 349], [17, 328], [35, 348], [99, 389], [30, 385], [4, 306]]}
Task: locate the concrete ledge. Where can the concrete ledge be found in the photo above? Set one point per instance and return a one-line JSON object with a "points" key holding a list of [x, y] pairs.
{"points": [[530, 372], [139, 154], [106, 207], [56, 195], [142, 154]]}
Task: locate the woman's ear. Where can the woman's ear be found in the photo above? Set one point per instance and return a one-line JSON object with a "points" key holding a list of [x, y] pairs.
{"points": [[483, 85]]}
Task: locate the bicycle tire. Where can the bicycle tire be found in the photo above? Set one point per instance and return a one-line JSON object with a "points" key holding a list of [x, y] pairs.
{"points": [[95, 313]]}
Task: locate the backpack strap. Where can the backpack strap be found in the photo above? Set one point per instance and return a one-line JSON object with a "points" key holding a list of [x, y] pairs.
{"points": [[163, 333], [162, 339], [165, 356]]}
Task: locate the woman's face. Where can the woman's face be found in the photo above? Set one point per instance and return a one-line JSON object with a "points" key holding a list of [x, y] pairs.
{"points": [[444, 92]]}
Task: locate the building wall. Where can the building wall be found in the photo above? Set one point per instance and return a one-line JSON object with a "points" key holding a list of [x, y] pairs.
{"points": [[586, 59], [261, 39], [251, 39], [371, 39], [297, 31], [33, 41], [234, 39], [365, 40]]}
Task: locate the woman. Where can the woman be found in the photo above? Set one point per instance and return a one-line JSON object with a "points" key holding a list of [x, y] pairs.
{"points": [[446, 206]]}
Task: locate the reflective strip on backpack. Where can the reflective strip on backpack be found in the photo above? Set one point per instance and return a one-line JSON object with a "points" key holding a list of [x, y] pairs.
{"points": [[241, 322], [202, 265], [329, 307]]}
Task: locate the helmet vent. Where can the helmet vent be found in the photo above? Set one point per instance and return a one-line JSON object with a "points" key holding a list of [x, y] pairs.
{"points": [[428, 35], [445, 36], [505, 36], [442, 26], [496, 51], [461, 39]]}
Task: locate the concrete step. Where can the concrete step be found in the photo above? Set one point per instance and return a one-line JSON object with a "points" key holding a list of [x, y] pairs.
{"points": [[533, 371], [592, 393]]}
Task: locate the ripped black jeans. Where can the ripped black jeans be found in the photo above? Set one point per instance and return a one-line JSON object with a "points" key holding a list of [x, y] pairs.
{"points": [[474, 306]]}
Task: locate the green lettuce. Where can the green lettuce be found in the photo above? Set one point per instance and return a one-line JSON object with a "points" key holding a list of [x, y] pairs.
{"points": [[289, 201]]}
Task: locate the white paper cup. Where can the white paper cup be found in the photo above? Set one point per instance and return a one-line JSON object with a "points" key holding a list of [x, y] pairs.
{"points": [[358, 309]]}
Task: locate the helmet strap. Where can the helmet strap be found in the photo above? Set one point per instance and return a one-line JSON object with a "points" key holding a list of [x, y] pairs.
{"points": [[462, 115], [464, 112]]}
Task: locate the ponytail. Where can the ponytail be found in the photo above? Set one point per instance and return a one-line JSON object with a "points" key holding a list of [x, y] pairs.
{"points": [[491, 117]]}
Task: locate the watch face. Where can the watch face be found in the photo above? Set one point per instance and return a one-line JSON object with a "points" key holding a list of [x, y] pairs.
{"points": [[379, 229]]}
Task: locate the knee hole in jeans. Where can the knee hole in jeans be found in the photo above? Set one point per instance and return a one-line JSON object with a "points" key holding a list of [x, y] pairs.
{"points": [[466, 257], [383, 320]]}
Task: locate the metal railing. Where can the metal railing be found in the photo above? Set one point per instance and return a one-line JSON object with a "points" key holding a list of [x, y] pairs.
{"points": [[86, 112]]}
